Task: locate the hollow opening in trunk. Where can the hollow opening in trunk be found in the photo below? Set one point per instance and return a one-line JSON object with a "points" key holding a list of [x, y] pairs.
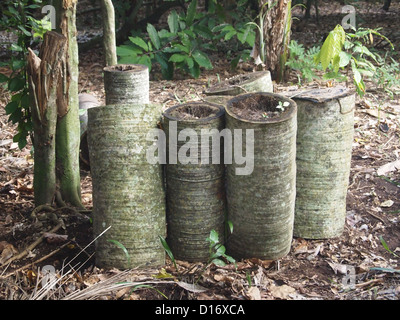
{"points": [[259, 107], [193, 112]]}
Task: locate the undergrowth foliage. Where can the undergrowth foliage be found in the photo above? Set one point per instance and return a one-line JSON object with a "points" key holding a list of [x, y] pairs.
{"points": [[17, 17], [351, 51], [184, 45]]}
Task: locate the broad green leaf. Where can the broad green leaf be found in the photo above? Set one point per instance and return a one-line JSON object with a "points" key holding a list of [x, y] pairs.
{"points": [[189, 61], [16, 84], [358, 81], [26, 32], [22, 142], [213, 238], [160, 58], [126, 50], [173, 22], [331, 48], [218, 262], [177, 57], [344, 59], [202, 59], [139, 42], [191, 12], [203, 31], [183, 48], [129, 59], [219, 27], [3, 78], [229, 35], [145, 59], [11, 107], [15, 47], [155, 39], [190, 33], [18, 64]]}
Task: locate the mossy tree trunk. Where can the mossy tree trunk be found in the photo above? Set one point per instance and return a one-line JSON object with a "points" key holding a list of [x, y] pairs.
{"points": [[68, 130], [44, 72]]}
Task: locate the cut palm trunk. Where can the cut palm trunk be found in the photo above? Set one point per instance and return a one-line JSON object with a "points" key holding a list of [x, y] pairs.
{"points": [[324, 145], [128, 191], [126, 84], [261, 191], [195, 183], [244, 83]]}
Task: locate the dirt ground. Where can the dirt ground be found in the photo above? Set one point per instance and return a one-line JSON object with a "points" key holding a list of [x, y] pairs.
{"points": [[361, 264]]}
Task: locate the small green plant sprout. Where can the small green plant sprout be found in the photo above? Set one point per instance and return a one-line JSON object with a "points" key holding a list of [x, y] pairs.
{"points": [[168, 251], [146, 286], [217, 251], [385, 245], [282, 105], [121, 246]]}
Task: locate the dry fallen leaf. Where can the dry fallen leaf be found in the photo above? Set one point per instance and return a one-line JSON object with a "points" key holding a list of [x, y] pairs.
{"points": [[253, 293], [387, 203], [281, 292], [388, 167], [7, 253]]}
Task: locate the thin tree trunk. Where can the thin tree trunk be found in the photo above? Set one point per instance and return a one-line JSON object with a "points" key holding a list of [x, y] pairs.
{"points": [[276, 35], [43, 74], [109, 41], [68, 129]]}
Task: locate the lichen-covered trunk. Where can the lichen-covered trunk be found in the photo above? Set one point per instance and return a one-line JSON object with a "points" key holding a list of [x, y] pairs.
{"points": [[68, 129], [195, 190], [261, 202], [128, 191], [43, 74], [324, 145]]}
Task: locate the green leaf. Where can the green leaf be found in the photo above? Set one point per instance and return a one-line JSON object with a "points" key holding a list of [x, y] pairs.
{"points": [[331, 48], [173, 22], [15, 47], [168, 250], [202, 59], [126, 50], [191, 12], [218, 262], [213, 238], [344, 59], [16, 84], [22, 142], [203, 31], [145, 59], [358, 81], [129, 60], [385, 245], [183, 48], [177, 57], [139, 42], [18, 64], [121, 246], [155, 39], [26, 32], [3, 78], [189, 62], [11, 107]]}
